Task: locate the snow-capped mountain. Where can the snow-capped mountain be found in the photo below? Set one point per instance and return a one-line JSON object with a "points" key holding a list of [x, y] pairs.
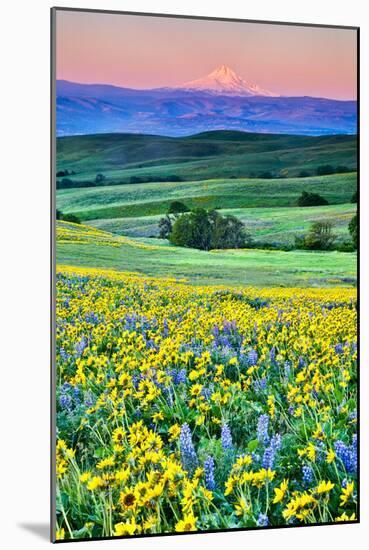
{"points": [[101, 108], [225, 81]]}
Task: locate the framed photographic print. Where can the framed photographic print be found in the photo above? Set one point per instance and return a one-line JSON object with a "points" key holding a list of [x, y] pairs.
{"points": [[204, 274]]}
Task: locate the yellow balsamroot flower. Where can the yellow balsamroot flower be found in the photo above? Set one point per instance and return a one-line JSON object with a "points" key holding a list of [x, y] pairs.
{"points": [[345, 517], [188, 523], [299, 506], [127, 498], [262, 476], [230, 485], [60, 534], [95, 483], [106, 463], [174, 432], [123, 529], [324, 487], [347, 493], [271, 405], [318, 434], [118, 438], [158, 416], [85, 477], [309, 451], [123, 475], [200, 420], [150, 522], [241, 507], [280, 491], [196, 389], [330, 456]]}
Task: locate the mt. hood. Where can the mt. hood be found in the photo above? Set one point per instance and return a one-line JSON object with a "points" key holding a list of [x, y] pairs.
{"points": [[225, 81]]}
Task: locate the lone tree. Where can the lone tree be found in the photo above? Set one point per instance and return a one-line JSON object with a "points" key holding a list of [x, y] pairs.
{"points": [[165, 227], [207, 230], [177, 207], [352, 227], [192, 230], [319, 237], [227, 231], [311, 199]]}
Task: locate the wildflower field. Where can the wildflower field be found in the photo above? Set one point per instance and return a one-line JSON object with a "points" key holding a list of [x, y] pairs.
{"points": [[184, 408]]}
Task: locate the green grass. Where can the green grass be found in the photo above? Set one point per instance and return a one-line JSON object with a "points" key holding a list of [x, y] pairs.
{"points": [[230, 267], [219, 154], [264, 224], [148, 199]]}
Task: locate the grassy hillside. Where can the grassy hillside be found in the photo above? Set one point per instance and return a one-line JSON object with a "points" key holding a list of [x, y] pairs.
{"points": [[84, 246], [264, 224], [147, 199], [219, 154]]}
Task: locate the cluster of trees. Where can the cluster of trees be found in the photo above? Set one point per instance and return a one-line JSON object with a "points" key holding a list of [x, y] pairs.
{"points": [[68, 183], [327, 169], [311, 199], [63, 173], [314, 199], [100, 179], [321, 237], [202, 229], [67, 217], [208, 229], [323, 170], [148, 179]]}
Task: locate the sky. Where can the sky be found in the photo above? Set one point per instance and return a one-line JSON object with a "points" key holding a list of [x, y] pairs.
{"points": [[149, 52]]}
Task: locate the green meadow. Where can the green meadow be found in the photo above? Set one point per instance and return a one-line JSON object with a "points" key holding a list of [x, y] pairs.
{"points": [[155, 257], [148, 199], [278, 224], [206, 156], [213, 169]]}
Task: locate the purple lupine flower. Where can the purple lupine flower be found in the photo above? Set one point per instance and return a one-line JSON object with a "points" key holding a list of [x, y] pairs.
{"points": [[271, 451], [92, 318], [165, 328], [226, 438], [209, 473], [65, 401], [260, 385], [347, 454], [81, 346], [262, 520], [252, 357], [207, 392], [287, 369], [338, 348], [187, 449], [272, 354], [262, 429], [307, 475], [63, 354]]}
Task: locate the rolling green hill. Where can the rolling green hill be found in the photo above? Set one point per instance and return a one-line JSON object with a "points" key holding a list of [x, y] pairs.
{"points": [[85, 246], [218, 154], [270, 225], [147, 199]]}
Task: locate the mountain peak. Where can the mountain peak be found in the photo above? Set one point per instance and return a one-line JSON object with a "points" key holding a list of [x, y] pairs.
{"points": [[223, 80]]}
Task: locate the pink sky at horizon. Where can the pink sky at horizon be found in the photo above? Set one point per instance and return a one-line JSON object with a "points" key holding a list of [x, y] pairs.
{"points": [[150, 52]]}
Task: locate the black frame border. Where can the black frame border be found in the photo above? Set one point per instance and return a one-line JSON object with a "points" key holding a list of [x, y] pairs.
{"points": [[53, 26]]}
